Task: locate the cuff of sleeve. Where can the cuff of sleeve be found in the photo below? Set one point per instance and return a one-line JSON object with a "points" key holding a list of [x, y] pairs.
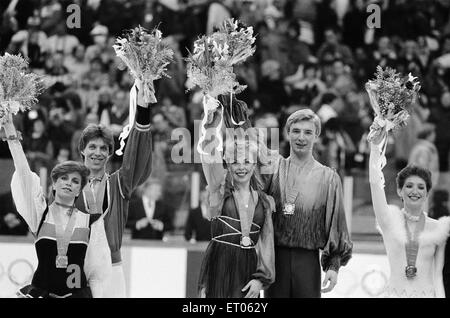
{"points": [[334, 264], [143, 116], [264, 281]]}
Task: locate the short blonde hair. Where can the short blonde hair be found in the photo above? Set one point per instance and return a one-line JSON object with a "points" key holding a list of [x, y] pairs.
{"points": [[304, 115]]}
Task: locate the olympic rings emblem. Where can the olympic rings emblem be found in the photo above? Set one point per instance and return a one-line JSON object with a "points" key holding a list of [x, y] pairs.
{"points": [[374, 282], [25, 278]]}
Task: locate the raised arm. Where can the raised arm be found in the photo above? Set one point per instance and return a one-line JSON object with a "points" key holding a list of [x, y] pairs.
{"points": [[25, 185], [137, 158], [215, 175], [376, 178]]}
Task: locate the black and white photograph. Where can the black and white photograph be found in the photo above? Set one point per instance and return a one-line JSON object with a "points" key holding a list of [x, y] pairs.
{"points": [[203, 152]]}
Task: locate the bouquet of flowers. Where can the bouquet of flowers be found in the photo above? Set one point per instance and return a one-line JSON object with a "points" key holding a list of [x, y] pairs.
{"points": [[210, 67], [391, 97], [146, 57], [18, 89]]}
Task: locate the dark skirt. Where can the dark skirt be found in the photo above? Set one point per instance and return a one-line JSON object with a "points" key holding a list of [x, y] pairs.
{"points": [[226, 269], [298, 273], [31, 291]]}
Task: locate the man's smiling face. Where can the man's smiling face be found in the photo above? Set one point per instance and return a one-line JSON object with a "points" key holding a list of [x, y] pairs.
{"points": [[96, 154]]}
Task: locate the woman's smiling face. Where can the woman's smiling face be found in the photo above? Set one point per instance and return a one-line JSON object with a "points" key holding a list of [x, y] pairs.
{"points": [[414, 192]]}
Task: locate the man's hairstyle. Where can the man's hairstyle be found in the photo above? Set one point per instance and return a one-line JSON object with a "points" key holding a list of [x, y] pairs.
{"points": [[94, 131], [413, 170], [304, 115], [70, 167]]}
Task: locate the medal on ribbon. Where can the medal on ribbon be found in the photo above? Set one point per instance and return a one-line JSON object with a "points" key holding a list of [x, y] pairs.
{"points": [[246, 213], [246, 241], [291, 188], [63, 237], [289, 208], [412, 247], [62, 261]]}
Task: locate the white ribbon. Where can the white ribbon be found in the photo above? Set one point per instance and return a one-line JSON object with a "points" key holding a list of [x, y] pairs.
{"points": [[210, 104], [132, 113], [231, 111]]}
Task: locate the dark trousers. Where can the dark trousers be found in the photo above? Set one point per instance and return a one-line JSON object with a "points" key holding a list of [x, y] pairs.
{"points": [[297, 273]]}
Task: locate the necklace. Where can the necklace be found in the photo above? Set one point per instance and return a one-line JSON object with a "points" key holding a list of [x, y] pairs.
{"points": [[412, 218], [70, 207]]}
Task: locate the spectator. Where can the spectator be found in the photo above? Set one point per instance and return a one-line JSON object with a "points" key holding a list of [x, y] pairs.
{"points": [[355, 24], [51, 13], [343, 80], [406, 138], [272, 95], [305, 89], [31, 43], [60, 128], [38, 147], [198, 225], [116, 117], [298, 52], [334, 47], [149, 217], [76, 64], [58, 77], [424, 153], [441, 117], [218, 11], [61, 41], [11, 223], [99, 49]]}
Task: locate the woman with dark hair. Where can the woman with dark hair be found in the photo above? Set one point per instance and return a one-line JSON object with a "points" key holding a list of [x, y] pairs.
{"points": [[415, 243], [72, 250], [240, 259]]}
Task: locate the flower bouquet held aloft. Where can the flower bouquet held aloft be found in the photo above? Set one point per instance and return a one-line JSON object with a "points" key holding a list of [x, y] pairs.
{"points": [[391, 97], [146, 57], [18, 89], [210, 67]]}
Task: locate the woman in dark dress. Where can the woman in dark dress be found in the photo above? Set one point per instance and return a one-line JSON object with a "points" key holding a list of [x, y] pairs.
{"points": [[239, 261], [73, 255]]}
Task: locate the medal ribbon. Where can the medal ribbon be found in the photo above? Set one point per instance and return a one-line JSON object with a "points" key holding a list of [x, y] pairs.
{"points": [[63, 236], [412, 244], [100, 194], [94, 199], [291, 191], [245, 214]]}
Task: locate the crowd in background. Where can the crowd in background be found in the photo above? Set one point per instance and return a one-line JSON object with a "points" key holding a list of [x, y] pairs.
{"points": [[310, 53]]}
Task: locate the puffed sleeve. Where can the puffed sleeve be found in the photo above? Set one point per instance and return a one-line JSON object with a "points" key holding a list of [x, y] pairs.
{"points": [[265, 250], [338, 249], [97, 264], [26, 189]]}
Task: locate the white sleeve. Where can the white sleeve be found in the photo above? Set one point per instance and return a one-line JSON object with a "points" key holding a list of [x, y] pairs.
{"points": [[26, 189], [97, 264]]}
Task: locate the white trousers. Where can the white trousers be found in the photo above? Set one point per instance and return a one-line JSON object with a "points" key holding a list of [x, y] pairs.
{"points": [[115, 286]]}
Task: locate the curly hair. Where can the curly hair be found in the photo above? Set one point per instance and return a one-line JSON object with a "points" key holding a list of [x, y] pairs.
{"points": [[413, 170], [70, 167]]}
